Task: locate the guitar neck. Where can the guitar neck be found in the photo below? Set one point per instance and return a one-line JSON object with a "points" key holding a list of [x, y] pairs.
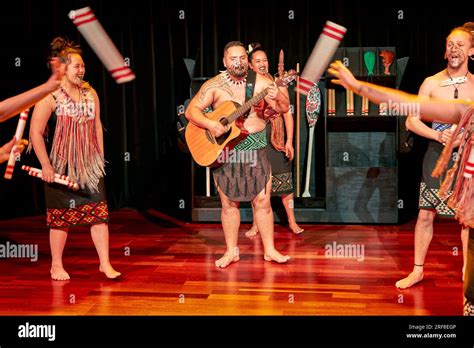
{"points": [[247, 106]]}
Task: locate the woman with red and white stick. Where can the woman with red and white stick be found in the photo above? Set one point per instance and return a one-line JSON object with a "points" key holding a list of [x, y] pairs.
{"points": [[71, 116]]}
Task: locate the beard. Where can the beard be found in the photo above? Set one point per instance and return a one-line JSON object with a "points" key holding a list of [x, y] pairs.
{"points": [[456, 59], [238, 70]]}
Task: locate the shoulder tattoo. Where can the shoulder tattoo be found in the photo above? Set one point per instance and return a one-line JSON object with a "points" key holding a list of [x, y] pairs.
{"points": [[217, 82]]}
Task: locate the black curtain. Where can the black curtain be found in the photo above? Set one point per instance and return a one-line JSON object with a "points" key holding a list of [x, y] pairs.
{"points": [[146, 167]]}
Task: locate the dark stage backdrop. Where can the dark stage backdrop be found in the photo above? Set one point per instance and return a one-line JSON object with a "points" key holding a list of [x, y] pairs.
{"points": [[145, 166]]}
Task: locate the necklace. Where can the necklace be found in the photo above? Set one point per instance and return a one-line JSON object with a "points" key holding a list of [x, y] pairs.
{"points": [[78, 109], [456, 94], [231, 81]]}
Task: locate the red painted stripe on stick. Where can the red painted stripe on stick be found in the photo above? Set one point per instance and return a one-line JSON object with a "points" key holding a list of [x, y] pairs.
{"points": [[78, 24], [88, 12], [331, 35], [339, 31]]}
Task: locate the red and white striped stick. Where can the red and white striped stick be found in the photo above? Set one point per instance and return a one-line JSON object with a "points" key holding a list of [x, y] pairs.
{"points": [[56, 175], [469, 168], [20, 128], [59, 179], [88, 25], [321, 55]]}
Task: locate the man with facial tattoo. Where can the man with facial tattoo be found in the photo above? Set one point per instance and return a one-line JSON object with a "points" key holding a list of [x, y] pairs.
{"points": [[454, 82], [240, 182]]}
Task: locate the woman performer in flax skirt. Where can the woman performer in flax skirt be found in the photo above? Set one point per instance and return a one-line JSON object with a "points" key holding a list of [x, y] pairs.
{"points": [[66, 124]]}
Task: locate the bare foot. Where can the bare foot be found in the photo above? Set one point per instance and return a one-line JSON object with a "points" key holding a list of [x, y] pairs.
{"points": [[109, 271], [228, 258], [468, 308], [295, 228], [412, 279], [252, 232], [275, 256], [59, 273]]}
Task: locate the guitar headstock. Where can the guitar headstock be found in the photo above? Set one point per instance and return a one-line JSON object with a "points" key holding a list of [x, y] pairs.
{"points": [[287, 78]]}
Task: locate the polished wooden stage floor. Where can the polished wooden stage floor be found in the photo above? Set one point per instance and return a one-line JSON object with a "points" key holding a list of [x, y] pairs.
{"points": [[168, 269]]}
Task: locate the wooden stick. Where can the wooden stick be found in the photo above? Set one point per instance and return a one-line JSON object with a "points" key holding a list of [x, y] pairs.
{"points": [[298, 130], [365, 106], [59, 180], [350, 103], [328, 98], [91, 29], [331, 102], [308, 166], [208, 182], [18, 135], [321, 55], [36, 170]]}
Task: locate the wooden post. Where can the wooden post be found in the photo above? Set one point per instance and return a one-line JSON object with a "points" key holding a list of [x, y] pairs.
{"points": [[298, 117]]}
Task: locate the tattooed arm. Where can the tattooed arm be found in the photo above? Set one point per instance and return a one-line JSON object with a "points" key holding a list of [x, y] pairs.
{"points": [[203, 99]]}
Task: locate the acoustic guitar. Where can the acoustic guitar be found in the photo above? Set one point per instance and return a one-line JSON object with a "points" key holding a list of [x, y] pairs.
{"points": [[204, 147]]}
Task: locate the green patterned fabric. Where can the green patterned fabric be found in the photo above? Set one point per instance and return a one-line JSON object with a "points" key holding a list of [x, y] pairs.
{"points": [[254, 141]]}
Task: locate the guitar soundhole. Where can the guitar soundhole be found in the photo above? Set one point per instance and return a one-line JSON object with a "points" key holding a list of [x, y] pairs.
{"points": [[220, 140]]}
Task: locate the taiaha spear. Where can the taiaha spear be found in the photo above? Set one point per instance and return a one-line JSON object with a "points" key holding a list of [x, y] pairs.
{"points": [[316, 65], [281, 64], [313, 107], [277, 123]]}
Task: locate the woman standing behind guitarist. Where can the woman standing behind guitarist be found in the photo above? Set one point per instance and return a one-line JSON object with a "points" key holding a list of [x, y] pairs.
{"points": [[240, 182], [280, 153]]}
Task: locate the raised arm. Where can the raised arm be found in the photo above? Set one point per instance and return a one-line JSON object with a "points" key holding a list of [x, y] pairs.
{"points": [[14, 105], [429, 110]]}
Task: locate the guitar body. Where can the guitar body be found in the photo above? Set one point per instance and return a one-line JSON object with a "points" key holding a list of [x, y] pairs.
{"points": [[204, 147]]}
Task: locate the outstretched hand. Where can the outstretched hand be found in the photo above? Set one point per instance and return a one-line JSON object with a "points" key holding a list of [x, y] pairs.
{"points": [[343, 76], [58, 70], [7, 148]]}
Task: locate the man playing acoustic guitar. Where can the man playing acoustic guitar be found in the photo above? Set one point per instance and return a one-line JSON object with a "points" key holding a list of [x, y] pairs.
{"points": [[240, 181]]}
